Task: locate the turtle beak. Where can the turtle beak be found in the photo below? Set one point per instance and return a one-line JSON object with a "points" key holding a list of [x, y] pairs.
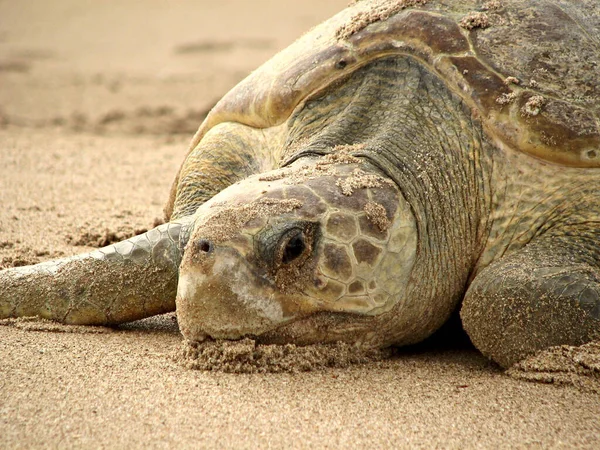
{"points": [[219, 296]]}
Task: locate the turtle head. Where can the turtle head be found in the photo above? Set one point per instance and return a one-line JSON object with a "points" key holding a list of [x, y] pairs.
{"points": [[312, 253]]}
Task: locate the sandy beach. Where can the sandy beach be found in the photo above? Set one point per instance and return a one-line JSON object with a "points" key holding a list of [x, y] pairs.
{"points": [[98, 102]]}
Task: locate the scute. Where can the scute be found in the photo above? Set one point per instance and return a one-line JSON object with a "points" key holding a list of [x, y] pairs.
{"points": [[551, 47], [557, 44]]}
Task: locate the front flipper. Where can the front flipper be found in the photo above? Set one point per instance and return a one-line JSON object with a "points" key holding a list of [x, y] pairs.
{"points": [[130, 280], [546, 294], [228, 153]]}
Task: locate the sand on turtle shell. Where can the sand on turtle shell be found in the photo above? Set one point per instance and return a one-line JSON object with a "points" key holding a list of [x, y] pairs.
{"points": [[247, 356], [506, 98], [492, 5], [377, 214], [359, 179], [533, 106], [475, 19], [380, 11]]}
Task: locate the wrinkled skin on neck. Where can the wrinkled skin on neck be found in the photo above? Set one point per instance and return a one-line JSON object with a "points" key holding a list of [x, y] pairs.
{"points": [[293, 258]]}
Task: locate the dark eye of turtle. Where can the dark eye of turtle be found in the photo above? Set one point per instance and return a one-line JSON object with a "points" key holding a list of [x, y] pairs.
{"points": [[293, 248], [341, 64]]}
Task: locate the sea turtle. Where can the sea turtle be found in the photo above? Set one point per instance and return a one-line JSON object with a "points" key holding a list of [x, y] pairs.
{"points": [[401, 160]]}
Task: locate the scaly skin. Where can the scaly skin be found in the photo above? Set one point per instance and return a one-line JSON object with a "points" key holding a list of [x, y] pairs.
{"points": [[229, 152], [126, 281], [537, 284]]}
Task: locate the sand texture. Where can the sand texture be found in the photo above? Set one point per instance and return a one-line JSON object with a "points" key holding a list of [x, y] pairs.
{"points": [[98, 102]]}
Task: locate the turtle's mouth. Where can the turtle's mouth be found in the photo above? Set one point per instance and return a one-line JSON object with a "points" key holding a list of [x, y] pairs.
{"points": [[214, 307], [223, 298]]}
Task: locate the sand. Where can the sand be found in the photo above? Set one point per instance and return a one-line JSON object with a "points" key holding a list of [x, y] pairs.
{"points": [[97, 104]]}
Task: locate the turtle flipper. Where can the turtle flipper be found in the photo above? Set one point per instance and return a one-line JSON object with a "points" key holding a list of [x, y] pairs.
{"points": [[546, 294], [228, 153], [130, 280]]}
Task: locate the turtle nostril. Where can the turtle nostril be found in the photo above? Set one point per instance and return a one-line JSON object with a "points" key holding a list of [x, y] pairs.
{"points": [[204, 246]]}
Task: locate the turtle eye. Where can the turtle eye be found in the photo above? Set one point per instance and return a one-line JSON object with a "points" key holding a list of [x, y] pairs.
{"points": [[286, 245], [293, 247]]}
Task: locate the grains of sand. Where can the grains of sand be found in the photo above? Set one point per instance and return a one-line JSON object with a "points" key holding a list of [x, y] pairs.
{"points": [[307, 172], [377, 214], [492, 5], [276, 175], [347, 149], [475, 19], [340, 154], [247, 356], [381, 11], [359, 179], [505, 99], [101, 236], [533, 106], [511, 80], [39, 324], [563, 365], [225, 223]]}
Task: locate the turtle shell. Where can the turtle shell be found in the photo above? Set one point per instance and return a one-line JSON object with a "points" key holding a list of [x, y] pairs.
{"points": [[529, 70]]}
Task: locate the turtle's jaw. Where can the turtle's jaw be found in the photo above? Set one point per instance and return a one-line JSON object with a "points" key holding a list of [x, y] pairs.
{"points": [[221, 297]]}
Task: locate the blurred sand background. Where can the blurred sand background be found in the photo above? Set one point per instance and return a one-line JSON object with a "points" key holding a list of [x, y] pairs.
{"points": [[98, 101]]}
